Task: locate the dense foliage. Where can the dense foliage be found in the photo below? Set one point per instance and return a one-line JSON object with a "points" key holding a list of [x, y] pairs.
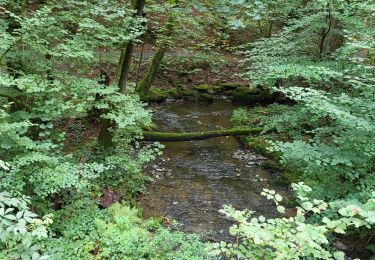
{"points": [[323, 60], [48, 80], [319, 56], [294, 237]]}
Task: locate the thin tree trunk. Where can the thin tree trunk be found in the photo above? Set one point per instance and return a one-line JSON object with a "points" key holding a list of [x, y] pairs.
{"points": [[270, 29], [95, 113], [145, 84], [140, 64], [105, 134], [120, 62], [125, 67], [126, 55], [325, 33]]}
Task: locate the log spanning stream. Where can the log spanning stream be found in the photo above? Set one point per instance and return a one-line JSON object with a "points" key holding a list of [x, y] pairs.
{"points": [[193, 180]]}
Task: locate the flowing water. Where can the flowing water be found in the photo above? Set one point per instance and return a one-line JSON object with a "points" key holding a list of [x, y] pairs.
{"points": [[193, 180]]}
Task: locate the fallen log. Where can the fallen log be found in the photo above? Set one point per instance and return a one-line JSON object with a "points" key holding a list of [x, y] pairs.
{"points": [[179, 137]]}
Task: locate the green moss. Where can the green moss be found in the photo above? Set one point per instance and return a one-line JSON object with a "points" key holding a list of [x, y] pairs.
{"points": [[230, 86], [291, 176], [261, 145], [246, 95], [175, 137], [271, 165], [250, 96], [174, 93], [203, 88], [217, 89], [150, 127], [188, 95], [205, 97], [188, 92], [157, 95]]}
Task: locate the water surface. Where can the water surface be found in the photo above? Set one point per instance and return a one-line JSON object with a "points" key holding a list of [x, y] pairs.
{"points": [[193, 180]]}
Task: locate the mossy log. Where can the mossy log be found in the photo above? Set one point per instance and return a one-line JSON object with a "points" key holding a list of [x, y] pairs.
{"points": [[180, 137]]}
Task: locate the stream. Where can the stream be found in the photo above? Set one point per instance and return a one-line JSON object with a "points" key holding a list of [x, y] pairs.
{"points": [[193, 180]]}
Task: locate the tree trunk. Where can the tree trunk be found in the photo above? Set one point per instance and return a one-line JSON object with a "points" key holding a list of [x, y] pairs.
{"points": [[105, 134], [145, 84], [325, 32], [270, 28], [127, 52], [95, 113], [179, 137]]}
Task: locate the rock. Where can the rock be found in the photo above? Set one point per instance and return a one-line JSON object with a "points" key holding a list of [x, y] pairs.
{"points": [[230, 86], [246, 95], [203, 88], [251, 163], [188, 92], [188, 95], [217, 89], [251, 96], [157, 95], [174, 93], [205, 97]]}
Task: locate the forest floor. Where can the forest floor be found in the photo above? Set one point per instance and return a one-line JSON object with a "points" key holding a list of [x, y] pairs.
{"points": [[180, 67]]}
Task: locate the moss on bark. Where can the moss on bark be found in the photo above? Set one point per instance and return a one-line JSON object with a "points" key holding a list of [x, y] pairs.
{"points": [[179, 137]]}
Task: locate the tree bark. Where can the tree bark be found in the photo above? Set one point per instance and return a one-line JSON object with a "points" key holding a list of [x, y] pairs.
{"points": [[180, 137], [145, 84], [105, 134], [325, 32], [270, 28], [127, 52]]}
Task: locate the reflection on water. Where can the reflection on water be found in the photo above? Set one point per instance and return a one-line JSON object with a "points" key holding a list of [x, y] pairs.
{"points": [[193, 180]]}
